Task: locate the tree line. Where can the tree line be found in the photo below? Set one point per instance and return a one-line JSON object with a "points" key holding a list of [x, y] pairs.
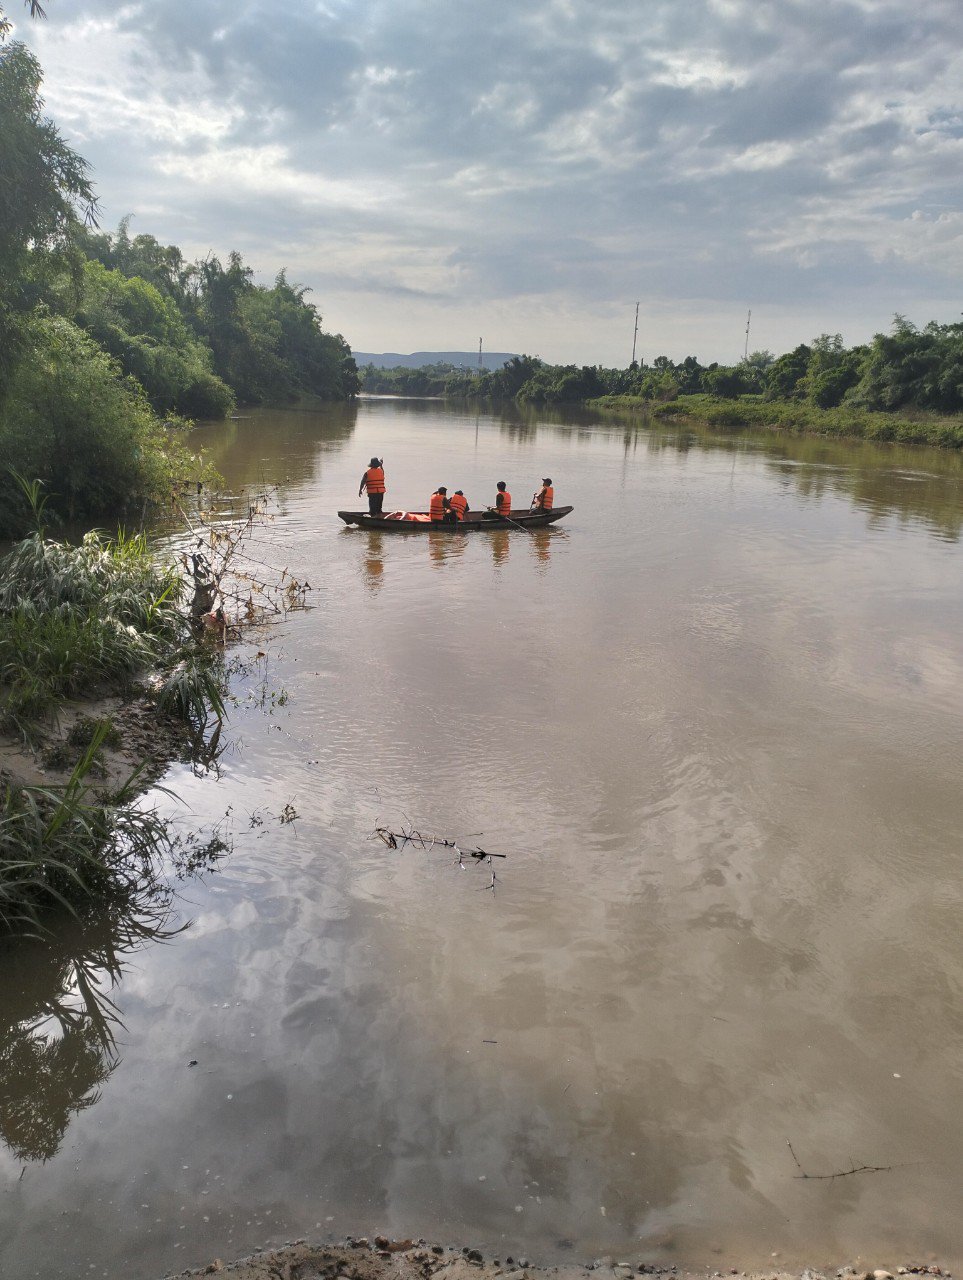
{"points": [[904, 370], [109, 341]]}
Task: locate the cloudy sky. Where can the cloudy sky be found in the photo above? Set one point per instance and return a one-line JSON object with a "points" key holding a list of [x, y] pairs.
{"points": [[525, 171]]}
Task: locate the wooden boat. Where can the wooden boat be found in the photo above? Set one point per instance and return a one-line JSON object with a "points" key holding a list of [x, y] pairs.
{"points": [[474, 521]]}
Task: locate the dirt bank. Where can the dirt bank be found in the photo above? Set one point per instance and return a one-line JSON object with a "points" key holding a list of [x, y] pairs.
{"points": [[382, 1259], [141, 738]]}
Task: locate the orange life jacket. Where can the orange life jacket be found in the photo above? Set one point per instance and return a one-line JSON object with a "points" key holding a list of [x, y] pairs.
{"points": [[437, 508], [459, 504], [374, 480], [546, 497], [503, 503]]}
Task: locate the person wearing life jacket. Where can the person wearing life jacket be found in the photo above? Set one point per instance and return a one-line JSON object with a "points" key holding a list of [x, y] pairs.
{"points": [[544, 499], [374, 481], [439, 508], [503, 500], [459, 504]]}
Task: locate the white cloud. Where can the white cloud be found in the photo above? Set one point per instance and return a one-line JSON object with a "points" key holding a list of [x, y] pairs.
{"points": [[268, 173], [697, 69], [533, 164]]}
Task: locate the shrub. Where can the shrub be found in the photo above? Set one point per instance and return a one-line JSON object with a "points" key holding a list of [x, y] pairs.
{"points": [[71, 420]]}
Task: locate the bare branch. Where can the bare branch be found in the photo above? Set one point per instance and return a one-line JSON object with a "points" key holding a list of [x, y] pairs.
{"points": [[842, 1173]]}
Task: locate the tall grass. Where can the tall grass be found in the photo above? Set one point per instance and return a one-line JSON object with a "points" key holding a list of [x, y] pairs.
{"points": [[60, 846], [80, 620], [76, 618], [114, 578], [194, 691]]}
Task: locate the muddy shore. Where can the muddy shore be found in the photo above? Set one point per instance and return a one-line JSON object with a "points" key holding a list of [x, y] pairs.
{"points": [[383, 1259], [141, 739]]}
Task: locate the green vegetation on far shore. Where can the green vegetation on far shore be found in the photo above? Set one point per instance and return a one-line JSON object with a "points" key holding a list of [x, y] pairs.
{"points": [[904, 386], [796, 418]]}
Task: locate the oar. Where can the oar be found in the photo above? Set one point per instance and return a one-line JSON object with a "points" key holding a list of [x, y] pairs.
{"points": [[510, 520]]}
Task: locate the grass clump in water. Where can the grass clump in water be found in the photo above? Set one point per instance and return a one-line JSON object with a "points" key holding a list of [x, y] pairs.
{"points": [[62, 845], [193, 691]]}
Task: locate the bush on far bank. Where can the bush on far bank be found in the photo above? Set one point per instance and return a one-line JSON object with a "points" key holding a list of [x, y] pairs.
{"points": [[798, 417]]}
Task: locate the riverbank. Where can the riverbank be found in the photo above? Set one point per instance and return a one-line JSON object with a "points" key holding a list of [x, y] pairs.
{"points": [[794, 418], [102, 681], [383, 1259], [137, 738]]}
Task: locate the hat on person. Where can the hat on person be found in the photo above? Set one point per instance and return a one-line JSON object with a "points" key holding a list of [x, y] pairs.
{"points": [[375, 462], [546, 479]]}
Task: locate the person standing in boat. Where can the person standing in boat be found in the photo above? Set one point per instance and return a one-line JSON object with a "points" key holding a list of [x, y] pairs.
{"points": [[545, 498], [459, 504], [503, 501], [374, 481], [439, 507]]}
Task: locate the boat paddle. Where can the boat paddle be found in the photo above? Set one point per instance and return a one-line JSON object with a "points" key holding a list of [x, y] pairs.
{"points": [[510, 520]]}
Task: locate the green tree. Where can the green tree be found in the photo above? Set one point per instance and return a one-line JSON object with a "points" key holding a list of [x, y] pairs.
{"points": [[728, 383], [785, 375], [72, 421], [831, 370], [911, 366], [268, 343], [689, 376], [44, 186], [143, 329], [506, 382], [163, 266]]}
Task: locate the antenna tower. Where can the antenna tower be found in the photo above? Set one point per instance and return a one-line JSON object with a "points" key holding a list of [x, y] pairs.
{"points": [[745, 354], [479, 355], [636, 334]]}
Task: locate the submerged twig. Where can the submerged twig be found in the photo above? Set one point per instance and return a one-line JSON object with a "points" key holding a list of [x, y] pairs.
{"points": [[841, 1173], [409, 834], [428, 842]]}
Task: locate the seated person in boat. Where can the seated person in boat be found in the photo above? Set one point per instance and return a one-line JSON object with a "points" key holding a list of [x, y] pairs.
{"points": [[459, 504], [503, 501], [374, 481], [545, 498], [439, 508]]}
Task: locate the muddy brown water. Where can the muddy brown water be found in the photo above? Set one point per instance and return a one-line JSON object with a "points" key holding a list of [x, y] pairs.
{"points": [[714, 719]]}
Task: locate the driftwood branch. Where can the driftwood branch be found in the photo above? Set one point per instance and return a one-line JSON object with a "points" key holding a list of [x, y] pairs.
{"points": [[409, 835], [841, 1173]]}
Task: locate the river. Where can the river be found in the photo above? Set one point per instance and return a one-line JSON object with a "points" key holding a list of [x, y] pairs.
{"points": [[714, 722]]}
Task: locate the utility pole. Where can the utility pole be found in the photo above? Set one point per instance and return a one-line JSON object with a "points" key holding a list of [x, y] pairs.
{"points": [[745, 355], [479, 355], [636, 334]]}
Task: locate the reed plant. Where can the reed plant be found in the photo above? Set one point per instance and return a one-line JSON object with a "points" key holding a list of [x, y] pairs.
{"points": [[74, 619], [79, 620], [61, 846], [194, 691]]}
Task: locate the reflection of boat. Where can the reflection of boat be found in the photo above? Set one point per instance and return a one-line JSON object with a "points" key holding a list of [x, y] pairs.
{"points": [[476, 520]]}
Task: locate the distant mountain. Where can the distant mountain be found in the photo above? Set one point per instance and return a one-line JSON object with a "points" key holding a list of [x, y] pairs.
{"points": [[418, 359]]}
